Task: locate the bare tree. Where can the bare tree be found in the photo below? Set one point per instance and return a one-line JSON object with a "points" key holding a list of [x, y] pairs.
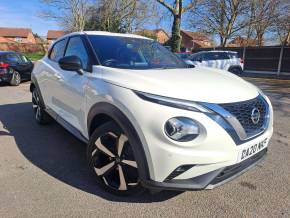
{"points": [[176, 10], [264, 14], [119, 15], [281, 24], [71, 14], [224, 18]]}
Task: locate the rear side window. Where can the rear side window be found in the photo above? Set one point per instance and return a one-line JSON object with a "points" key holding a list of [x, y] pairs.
{"points": [[12, 58], [57, 51], [233, 55], [210, 56], [215, 56], [222, 55], [76, 47]]}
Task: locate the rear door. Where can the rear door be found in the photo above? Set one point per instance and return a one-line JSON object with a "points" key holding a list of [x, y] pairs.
{"points": [[26, 66], [210, 59], [14, 61], [222, 60]]}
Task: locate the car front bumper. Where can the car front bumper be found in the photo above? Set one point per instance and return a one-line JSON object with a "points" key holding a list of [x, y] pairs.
{"points": [[207, 156], [209, 180]]}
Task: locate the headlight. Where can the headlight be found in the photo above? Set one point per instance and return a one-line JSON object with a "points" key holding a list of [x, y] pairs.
{"points": [[181, 129], [172, 102]]}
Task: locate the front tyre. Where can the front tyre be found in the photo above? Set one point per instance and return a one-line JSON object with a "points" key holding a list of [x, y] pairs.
{"points": [[113, 162], [16, 79], [41, 115]]}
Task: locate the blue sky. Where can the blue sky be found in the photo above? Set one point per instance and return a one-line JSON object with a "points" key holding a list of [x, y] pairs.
{"points": [[24, 13]]}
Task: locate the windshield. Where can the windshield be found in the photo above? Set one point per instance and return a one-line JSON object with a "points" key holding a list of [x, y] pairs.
{"points": [[133, 53]]}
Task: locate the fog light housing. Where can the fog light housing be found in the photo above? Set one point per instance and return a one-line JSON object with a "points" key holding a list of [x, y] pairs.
{"points": [[181, 129]]}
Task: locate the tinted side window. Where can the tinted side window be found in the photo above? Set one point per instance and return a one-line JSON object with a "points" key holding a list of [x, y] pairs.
{"points": [[76, 47], [209, 56], [23, 58], [12, 58], [57, 51], [233, 55], [195, 57], [222, 56]]}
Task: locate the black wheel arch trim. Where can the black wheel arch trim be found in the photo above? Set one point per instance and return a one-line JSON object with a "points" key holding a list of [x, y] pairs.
{"points": [[120, 118]]}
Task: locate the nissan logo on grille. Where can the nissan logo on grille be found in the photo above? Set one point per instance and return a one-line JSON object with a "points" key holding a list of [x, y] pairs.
{"points": [[255, 116]]}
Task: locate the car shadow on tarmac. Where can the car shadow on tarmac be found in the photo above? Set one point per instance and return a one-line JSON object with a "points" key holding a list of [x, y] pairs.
{"points": [[55, 151]]}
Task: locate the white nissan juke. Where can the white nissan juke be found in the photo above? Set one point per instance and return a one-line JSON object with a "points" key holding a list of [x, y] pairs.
{"points": [[150, 121]]}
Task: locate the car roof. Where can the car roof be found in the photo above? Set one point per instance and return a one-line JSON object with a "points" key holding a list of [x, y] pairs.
{"points": [[8, 52], [221, 51], [213, 51], [104, 33]]}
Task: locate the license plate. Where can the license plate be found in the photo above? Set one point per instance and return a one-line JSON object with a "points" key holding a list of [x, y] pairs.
{"points": [[252, 150]]}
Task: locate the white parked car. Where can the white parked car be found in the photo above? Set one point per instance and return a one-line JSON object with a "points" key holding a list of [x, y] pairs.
{"points": [[225, 60], [148, 120]]}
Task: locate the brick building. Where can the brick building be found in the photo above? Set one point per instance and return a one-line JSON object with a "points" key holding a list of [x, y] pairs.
{"points": [[20, 35], [194, 40]]}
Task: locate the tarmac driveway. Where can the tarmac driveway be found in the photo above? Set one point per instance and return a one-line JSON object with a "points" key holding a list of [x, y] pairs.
{"points": [[43, 172]]}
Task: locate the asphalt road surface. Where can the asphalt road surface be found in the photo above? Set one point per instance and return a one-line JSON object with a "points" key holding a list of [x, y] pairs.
{"points": [[43, 172]]}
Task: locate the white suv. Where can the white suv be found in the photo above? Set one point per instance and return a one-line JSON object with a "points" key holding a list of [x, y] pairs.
{"points": [[149, 120], [224, 60]]}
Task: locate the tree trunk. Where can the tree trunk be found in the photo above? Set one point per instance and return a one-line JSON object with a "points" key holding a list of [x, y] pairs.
{"points": [[176, 38], [260, 37], [224, 42]]}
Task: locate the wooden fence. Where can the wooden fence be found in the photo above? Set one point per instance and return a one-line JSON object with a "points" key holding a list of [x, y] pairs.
{"points": [[23, 47]]}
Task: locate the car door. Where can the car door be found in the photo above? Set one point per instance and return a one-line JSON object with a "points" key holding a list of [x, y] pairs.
{"points": [[26, 66], [198, 60], [14, 61], [209, 59], [222, 60], [50, 76], [71, 95]]}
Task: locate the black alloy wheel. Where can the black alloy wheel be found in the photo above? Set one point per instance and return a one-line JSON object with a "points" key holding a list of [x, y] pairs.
{"points": [[16, 79], [41, 116], [112, 160]]}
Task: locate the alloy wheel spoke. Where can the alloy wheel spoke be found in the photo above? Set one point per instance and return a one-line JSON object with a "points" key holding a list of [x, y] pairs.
{"points": [[130, 163], [104, 169], [37, 112], [103, 149], [123, 184], [121, 141], [132, 184], [113, 134]]}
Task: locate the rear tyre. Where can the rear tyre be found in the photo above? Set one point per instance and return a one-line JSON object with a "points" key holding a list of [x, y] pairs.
{"points": [[112, 161], [41, 116], [16, 79], [236, 70]]}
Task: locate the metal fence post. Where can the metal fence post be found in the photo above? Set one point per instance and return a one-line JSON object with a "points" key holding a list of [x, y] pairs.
{"points": [[280, 60], [244, 53]]}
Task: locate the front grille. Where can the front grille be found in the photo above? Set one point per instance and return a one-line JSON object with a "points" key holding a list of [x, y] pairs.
{"points": [[243, 112]]}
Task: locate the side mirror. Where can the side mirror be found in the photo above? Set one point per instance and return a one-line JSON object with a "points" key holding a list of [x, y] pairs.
{"points": [[199, 59], [71, 63]]}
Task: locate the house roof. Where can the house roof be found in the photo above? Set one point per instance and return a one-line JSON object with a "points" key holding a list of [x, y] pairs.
{"points": [[15, 32], [151, 32], [242, 41], [195, 35], [54, 34], [5, 40]]}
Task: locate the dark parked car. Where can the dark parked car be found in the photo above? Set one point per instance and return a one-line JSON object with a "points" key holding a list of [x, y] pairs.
{"points": [[14, 67]]}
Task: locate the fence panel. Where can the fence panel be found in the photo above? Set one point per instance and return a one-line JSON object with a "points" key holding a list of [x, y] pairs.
{"points": [[264, 58]]}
